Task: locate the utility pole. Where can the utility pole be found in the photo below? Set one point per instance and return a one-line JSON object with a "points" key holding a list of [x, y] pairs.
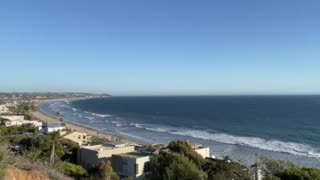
{"points": [[52, 155]]}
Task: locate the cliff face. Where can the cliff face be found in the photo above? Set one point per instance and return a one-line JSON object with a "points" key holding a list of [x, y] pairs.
{"points": [[17, 174]]}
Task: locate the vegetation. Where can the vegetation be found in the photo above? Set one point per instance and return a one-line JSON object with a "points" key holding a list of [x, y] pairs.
{"points": [[278, 170], [3, 161], [40, 147], [97, 141], [186, 150], [167, 166], [300, 174], [225, 169], [16, 130], [106, 172], [23, 108], [215, 169], [71, 170]]}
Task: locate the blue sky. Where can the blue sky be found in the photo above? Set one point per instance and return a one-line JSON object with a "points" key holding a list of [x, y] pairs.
{"points": [[160, 47]]}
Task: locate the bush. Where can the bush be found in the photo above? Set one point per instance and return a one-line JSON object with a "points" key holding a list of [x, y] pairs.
{"points": [[71, 170], [272, 167], [26, 164], [106, 172], [3, 161], [40, 147], [300, 174], [167, 166], [224, 169], [97, 141], [185, 149]]}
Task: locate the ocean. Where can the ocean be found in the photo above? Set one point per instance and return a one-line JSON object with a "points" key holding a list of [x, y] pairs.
{"points": [[240, 127]]}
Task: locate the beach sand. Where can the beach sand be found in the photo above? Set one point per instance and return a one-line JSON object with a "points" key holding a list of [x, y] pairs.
{"points": [[51, 120]]}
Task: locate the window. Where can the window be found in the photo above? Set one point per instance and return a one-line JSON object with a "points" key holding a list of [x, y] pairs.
{"points": [[137, 168], [146, 167]]}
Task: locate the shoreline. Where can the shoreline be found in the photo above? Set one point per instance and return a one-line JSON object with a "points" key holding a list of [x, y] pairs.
{"points": [[75, 127]]}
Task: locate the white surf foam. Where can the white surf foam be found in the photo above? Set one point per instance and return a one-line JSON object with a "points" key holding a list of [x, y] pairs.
{"points": [[253, 142], [101, 115], [91, 118]]}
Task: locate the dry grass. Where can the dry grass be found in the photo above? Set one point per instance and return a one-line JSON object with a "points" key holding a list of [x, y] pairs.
{"points": [[13, 173], [38, 166]]}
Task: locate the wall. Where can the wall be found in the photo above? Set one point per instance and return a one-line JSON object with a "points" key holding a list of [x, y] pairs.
{"points": [[74, 136], [89, 158], [204, 152]]}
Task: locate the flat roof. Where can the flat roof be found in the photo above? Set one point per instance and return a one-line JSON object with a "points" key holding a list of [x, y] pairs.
{"points": [[135, 154], [54, 125], [101, 147]]}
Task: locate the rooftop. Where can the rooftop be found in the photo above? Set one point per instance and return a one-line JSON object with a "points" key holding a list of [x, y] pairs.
{"points": [[135, 154], [103, 147], [54, 126]]}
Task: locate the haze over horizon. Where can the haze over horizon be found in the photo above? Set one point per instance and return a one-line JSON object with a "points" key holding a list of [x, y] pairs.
{"points": [[160, 47]]}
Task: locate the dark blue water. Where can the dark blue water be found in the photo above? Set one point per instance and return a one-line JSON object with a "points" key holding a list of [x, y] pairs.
{"points": [[277, 126]]}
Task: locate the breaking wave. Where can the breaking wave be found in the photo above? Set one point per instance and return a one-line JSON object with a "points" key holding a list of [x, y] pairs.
{"points": [[253, 142], [101, 115]]}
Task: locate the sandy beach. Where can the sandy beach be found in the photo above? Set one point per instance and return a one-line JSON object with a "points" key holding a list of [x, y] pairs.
{"points": [[51, 120]]}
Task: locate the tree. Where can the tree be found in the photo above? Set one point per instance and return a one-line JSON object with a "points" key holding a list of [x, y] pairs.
{"points": [[3, 160], [300, 174], [225, 170], [185, 149], [106, 172], [171, 166], [271, 167], [71, 170], [97, 141]]}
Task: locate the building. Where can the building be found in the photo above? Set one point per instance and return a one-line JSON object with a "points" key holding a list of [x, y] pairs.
{"points": [[77, 137], [4, 109], [13, 118], [91, 156], [203, 151], [51, 128], [19, 121], [36, 124], [132, 164]]}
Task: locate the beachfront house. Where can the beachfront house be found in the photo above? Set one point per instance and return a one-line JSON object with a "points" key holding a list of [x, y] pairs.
{"points": [[203, 151], [36, 124], [19, 121], [13, 118], [91, 156], [132, 164], [51, 128], [77, 137]]}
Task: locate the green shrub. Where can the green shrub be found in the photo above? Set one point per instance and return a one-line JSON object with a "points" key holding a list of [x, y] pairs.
{"points": [[225, 170], [3, 161], [185, 149], [106, 172], [71, 170], [300, 174], [97, 141], [167, 166]]}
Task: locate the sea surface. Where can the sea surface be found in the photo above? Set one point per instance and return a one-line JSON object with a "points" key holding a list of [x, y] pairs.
{"points": [[240, 127]]}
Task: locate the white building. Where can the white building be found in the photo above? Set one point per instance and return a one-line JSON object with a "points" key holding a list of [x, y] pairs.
{"points": [[133, 164], [203, 151], [4, 109], [36, 124], [13, 118], [51, 128]]}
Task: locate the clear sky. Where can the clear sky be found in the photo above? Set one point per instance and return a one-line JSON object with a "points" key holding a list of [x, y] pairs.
{"points": [[161, 47]]}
